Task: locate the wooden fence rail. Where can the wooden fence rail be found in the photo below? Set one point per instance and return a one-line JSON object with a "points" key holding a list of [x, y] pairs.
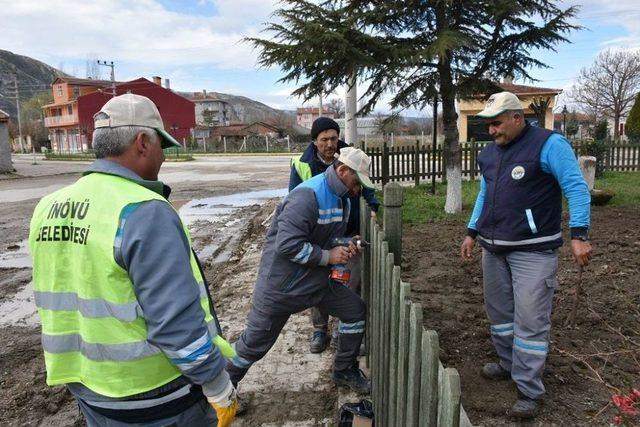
{"points": [[416, 163], [410, 387]]}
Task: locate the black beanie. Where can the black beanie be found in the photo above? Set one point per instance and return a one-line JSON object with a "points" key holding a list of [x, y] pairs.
{"points": [[323, 123]]}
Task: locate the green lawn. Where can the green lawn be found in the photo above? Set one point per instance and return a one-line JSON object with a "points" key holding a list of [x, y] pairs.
{"points": [[422, 207], [625, 185]]}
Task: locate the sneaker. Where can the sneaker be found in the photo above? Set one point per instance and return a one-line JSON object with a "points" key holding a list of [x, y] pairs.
{"points": [[353, 378], [525, 408], [319, 342], [495, 372]]}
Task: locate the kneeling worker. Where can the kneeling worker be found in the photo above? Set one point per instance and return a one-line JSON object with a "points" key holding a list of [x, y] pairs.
{"points": [[295, 266], [126, 321]]}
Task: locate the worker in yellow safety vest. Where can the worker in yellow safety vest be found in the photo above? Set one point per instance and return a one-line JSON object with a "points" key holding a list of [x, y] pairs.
{"points": [[127, 323]]}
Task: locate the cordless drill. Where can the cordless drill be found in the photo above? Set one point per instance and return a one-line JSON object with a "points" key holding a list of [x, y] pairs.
{"points": [[340, 272]]}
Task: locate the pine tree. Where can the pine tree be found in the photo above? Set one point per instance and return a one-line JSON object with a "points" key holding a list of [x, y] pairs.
{"points": [[414, 50], [632, 127]]}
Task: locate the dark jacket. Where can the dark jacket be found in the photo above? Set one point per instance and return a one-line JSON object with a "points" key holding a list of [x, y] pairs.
{"points": [[310, 158]]}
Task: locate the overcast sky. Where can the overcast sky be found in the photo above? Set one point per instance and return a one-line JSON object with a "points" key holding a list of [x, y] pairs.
{"points": [[197, 43]]}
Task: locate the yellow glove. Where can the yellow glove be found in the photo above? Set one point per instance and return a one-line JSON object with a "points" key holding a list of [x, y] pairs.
{"points": [[226, 415], [225, 404]]}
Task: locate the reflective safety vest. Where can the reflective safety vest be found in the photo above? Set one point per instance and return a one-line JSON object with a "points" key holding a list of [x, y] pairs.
{"points": [[303, 169], [93, 328]]}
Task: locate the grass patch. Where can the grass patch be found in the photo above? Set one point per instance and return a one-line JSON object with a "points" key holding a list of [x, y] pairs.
{"points": [[625, 186], [420, 206]]}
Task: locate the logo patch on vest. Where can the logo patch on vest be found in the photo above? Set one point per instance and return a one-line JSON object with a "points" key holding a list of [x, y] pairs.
{"points": [[517, 172]]}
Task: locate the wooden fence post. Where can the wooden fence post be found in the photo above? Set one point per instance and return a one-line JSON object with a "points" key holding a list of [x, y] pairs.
{"points": [[393, 199], [403, 340], [414, 362], [393, 347], [386, 330], [365, 269], [385, 164], [449, 403], [429, 378], [416, 164]]}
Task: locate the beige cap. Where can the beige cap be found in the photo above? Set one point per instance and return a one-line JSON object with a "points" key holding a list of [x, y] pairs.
{"points": [[498, 103], [134, 110], [357, 160]]}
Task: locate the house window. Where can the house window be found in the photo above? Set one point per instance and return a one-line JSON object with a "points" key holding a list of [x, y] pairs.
{"points": [[69, 110], [76, 92], [59, 90]]}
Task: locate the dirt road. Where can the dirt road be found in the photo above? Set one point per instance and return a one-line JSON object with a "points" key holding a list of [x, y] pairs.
{"points": [[226, 201]]}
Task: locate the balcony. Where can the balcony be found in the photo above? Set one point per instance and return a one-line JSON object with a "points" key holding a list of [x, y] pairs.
{"points": [[67, 120]]}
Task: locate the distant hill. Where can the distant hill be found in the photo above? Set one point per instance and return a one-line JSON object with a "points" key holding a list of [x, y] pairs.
{"points": [[247, 110], [33, 76]]}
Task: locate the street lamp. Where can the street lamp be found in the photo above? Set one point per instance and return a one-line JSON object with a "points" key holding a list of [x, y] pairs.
{"points": [[564, 120]]}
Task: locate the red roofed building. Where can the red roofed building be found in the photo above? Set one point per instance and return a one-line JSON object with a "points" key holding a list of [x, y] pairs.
{"points": [[70, 117]]}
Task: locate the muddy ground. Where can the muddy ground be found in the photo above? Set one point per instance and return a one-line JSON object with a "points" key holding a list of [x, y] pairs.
{"points": [[290, 386], [586, 363]]}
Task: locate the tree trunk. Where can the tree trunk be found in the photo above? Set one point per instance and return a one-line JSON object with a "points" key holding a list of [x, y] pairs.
{"points": [[453, 202], [350, 108], [616, 126]]}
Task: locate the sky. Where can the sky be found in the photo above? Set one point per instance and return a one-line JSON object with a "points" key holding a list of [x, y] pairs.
{"points": [[198, 44]]}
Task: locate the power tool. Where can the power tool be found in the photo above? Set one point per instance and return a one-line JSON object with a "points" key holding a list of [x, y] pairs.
{"points": [[340, 272]]}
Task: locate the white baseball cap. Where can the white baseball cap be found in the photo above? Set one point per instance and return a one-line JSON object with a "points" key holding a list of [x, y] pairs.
{"points": [[134, 110], [498, 103], [357, 160]]}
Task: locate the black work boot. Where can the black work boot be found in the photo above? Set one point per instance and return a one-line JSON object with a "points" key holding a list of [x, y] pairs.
{"points": [[525, 407], [319, 342], [353, 378], [495, 372]]}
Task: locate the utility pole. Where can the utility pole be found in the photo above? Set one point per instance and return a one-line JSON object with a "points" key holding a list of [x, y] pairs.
{"points": [[17, 97], [113, 76]]}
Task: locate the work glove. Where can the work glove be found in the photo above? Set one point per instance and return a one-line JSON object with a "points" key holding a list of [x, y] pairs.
{"points": [[225, 404]]}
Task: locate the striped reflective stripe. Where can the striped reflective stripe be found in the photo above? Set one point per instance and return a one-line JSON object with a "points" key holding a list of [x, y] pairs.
{"points": [[90, 308], [351, 328], [532, 223], [326, 212], [327, 216], [537, 348], [141, 404], [124, 215], [98, 352], [193, 354], [303, 256], [330, 220], [522, 242], [502, 330]]}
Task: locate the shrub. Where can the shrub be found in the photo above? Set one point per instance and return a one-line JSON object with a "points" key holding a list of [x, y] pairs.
{"points": [[632, 128]]}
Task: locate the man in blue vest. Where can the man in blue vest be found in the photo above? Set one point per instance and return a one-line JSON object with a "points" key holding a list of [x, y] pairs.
{"points": [[315, 159], [295, 266], [517, 221]]}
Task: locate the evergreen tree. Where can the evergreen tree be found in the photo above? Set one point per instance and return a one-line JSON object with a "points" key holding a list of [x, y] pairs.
{"points": [[415, 50], [632, 127]]}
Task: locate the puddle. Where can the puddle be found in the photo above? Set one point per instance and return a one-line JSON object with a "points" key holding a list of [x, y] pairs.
{"points": [[222, 211], [20, 309], [218, 209], [18, 258]]}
